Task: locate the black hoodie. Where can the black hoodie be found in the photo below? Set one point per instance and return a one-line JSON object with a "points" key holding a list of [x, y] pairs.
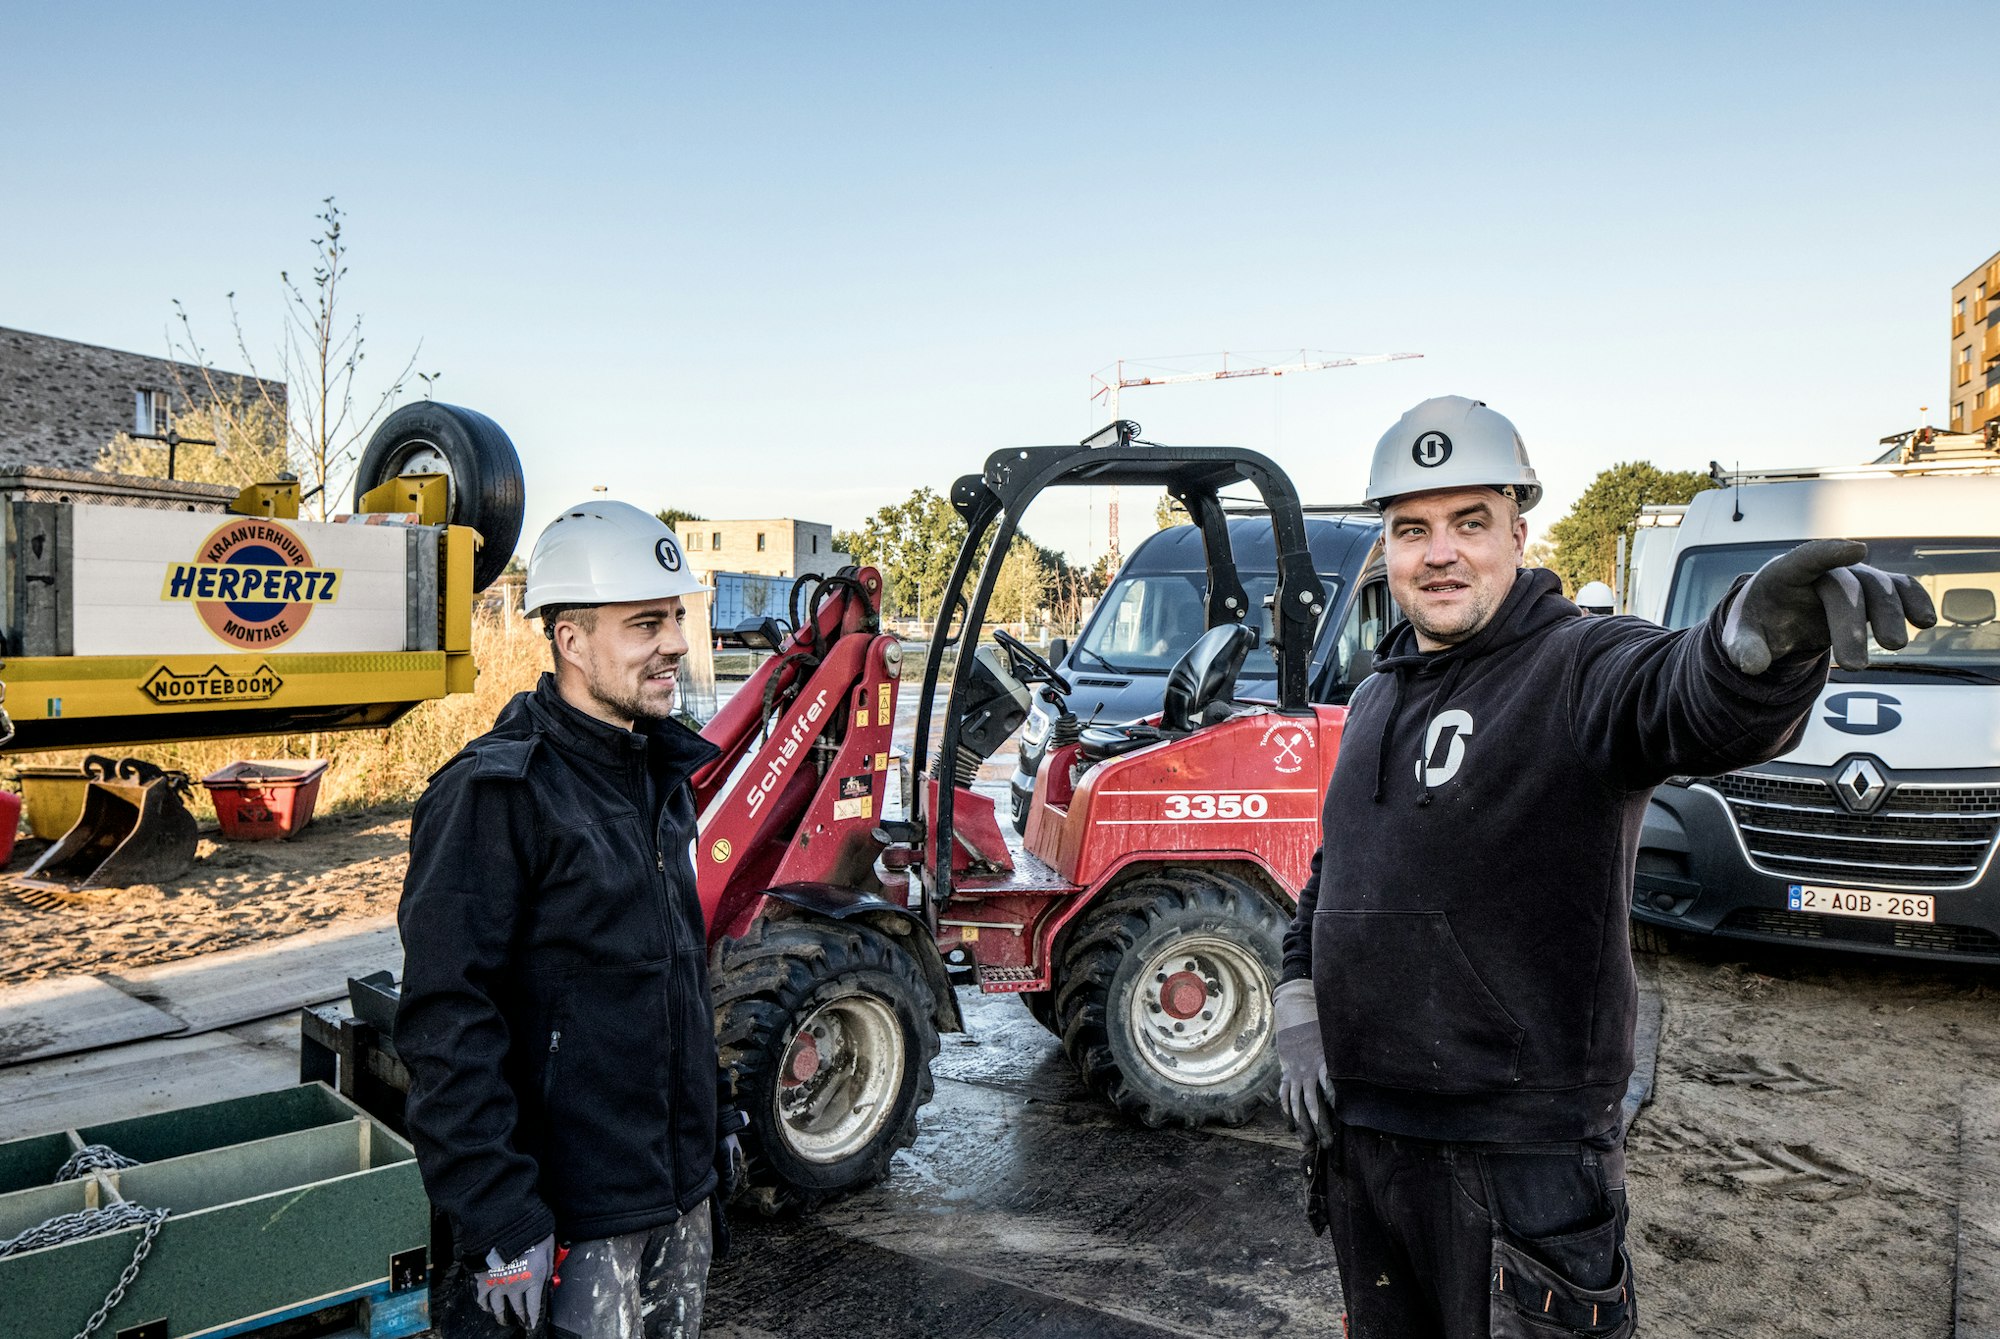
{"points": [[1465, 924]]}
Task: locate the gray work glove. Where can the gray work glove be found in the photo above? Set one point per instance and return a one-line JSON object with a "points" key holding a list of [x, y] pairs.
{"points": [[731, 1166], [1305, 1093], [1821, 595], [521, 1283]]}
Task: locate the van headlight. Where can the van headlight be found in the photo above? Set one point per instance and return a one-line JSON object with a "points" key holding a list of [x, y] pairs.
{"points": [[1036, 728]]}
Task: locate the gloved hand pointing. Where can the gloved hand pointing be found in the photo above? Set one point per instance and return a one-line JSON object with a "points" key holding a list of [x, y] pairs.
{"points": [[1305, 1093], [1822, 595], [522, 1283]]}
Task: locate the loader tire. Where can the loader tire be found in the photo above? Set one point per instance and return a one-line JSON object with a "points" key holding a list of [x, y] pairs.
{"points": [[484, 469], [809, 1015], [1165, 1002]]}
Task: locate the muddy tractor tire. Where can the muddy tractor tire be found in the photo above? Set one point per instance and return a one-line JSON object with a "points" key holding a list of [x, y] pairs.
{"points": [[482, 468], [1165, 1003], [826, 1032]]}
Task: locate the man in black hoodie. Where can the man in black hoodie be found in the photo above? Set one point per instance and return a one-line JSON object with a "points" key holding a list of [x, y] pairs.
{"points": [[555, 1010], [1455, 1013]]}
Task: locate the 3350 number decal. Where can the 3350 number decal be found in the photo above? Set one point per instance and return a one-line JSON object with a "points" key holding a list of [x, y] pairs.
{"points": [[1216, 804]]}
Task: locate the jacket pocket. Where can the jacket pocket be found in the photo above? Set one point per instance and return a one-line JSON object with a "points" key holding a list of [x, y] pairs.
{"points": [[1535, 1293], [1403, 1007], [610, 1096]]}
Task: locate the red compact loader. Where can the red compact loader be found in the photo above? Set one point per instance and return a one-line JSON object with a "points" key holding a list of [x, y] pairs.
{"points": [[1142, 924]]}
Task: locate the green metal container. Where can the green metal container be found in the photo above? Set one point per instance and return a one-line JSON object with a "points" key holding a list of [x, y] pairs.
{"points": [[280, 1204]]}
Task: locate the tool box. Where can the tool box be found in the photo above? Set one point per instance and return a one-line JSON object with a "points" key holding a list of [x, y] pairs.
{"points": [[278, 1207]]}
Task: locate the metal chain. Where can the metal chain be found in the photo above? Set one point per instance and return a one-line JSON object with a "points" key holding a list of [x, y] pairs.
{"points": [[153, 1219], [94, 1223], [94, 1158]]}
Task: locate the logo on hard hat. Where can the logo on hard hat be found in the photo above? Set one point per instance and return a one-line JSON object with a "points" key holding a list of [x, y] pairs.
{"points": [[253, 582], [669, 555], [1432, 450]]}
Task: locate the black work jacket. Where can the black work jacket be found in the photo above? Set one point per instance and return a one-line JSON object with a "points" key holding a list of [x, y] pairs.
{"points": [[555, 1012]]}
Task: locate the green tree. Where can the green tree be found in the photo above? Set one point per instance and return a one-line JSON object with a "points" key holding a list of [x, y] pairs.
{"points": [[1586, 540], [1168, 511], [914, 544], [673, 516]]}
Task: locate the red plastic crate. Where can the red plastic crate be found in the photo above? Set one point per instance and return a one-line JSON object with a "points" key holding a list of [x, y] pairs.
{"points": [[257, 801]]}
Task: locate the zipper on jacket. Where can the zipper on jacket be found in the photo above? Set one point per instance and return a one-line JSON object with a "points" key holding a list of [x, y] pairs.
{"points": [[549, 1069]]}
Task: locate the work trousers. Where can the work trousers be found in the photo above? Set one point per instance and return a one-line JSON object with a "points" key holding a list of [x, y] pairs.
{"points": [[1479, 1241], [643, 1285]]}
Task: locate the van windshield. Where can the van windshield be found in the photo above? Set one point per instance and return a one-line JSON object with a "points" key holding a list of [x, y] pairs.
{"points": [[1962, 576], [1146, 623]]}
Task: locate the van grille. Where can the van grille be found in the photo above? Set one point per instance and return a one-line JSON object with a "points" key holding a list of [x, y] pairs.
{"points": [[1921, 837], [1909, 935]]}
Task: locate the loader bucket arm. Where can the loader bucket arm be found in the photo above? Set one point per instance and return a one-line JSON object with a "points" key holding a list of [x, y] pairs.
{"points": [[851, 604]]}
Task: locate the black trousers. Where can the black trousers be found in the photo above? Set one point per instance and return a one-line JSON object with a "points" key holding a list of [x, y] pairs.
{"points": [[1479, 1241]]}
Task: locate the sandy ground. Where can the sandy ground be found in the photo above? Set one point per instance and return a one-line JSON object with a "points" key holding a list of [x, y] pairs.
{"points": [[1796, 1173], [345, 865]]}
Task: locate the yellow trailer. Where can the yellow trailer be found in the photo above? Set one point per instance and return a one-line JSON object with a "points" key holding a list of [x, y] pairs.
{"points": [[135, 611]]}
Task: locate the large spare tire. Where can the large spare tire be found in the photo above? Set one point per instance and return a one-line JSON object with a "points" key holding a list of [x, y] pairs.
{"points": [[482, 467]]}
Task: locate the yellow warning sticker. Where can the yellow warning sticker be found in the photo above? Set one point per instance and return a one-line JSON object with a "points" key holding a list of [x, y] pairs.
{"points": [[969, 933], [863, 807], [882, 705], [720, 851], [881, 762], [861, 720]]}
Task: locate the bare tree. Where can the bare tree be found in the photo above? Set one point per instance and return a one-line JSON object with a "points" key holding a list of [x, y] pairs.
{"points": [[320, 358]]}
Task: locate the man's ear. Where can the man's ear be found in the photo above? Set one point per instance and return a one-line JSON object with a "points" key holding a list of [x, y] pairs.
{"points": [[1520, 536]]}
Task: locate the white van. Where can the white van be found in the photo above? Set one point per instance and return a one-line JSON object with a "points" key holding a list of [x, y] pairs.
{"points": [[1877, 833]]}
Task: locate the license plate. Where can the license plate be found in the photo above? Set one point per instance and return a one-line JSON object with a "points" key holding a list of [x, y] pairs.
{"points": [[1875, 906]]}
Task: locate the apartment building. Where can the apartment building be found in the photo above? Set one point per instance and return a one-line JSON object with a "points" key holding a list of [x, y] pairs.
{"points": [[1974, 393], [778, 548]]}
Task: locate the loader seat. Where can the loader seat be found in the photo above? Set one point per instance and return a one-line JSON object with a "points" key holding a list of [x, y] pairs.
{"points": [[1203, 677]]}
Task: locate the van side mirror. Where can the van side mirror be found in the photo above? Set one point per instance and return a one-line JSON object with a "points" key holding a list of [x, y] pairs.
{"points": [[1058, 650]]}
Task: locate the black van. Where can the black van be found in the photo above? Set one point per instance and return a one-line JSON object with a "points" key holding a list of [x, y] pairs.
{"points": [[1153, 612]]}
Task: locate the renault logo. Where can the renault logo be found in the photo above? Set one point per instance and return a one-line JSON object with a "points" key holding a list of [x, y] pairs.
{"points": [[1860, 785]]}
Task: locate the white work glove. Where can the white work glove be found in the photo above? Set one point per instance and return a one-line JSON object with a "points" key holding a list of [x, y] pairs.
{"points": [[522, 1283], [1305, 1093], [1821, 596]]}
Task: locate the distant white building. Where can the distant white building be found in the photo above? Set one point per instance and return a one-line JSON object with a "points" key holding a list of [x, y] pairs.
{"points": [[783, 547]]}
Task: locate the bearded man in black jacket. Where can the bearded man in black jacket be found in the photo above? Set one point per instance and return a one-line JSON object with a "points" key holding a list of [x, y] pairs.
{"points": [[555, 1016], [1455, 1014]]}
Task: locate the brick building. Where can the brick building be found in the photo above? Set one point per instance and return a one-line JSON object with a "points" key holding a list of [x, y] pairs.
{"points": [[61, 402]]}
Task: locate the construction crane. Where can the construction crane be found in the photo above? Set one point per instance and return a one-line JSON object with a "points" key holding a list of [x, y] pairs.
{"points": [[1108, 387]]}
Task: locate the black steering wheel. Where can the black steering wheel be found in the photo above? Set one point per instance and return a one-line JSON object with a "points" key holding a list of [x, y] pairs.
{"points": [[1022, 657]]}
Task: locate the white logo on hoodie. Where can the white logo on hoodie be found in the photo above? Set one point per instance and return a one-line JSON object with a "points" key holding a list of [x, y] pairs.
{"points": [[1444, 746]]}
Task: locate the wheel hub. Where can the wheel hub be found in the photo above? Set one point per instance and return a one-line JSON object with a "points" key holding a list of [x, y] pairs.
{"points": [[804, 1061], [1200, 1012], [839, 1077], [1184, 994]]}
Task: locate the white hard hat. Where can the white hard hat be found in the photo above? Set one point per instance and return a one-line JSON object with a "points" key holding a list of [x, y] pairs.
{"points": [[1596, 597], [1452, 442], [606, 552]]}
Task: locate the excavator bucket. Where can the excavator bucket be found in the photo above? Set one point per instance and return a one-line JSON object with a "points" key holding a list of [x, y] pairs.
{"points": [[134, 829]]}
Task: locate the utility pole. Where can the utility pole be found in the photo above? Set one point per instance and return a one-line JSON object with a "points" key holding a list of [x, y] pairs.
{"points": [[1107, 387]]}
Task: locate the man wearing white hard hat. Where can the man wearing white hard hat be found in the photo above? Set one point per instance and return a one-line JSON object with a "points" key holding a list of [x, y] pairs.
{"points": [[1455, 1013], [555, 1011]]}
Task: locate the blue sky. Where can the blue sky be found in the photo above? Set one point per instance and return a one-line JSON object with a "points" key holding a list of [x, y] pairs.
{"points": [[798, 259]]}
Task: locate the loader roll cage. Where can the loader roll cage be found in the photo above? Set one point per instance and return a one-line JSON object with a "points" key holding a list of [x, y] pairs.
{"points": [[993, 501]]}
